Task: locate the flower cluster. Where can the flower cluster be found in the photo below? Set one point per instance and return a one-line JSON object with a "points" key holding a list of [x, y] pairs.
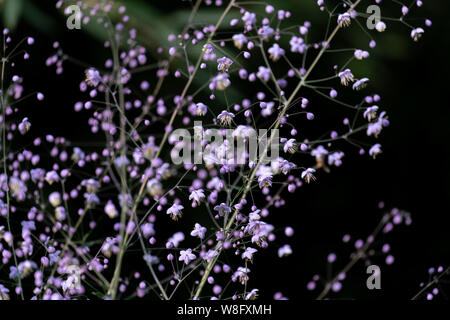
{"points": [[73, 217]]}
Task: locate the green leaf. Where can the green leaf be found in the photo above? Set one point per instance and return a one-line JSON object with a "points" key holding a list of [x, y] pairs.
{"points": [[12, 11]]}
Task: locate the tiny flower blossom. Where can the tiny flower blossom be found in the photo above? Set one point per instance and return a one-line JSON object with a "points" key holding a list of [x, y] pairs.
{"points": [[210, 255], [252, 295], [241, 274], [175, 211], [266, 32], [284, 251], [4, 293], [375, 128], [263, 73], [208, 48], [197, 196], [110, 210], [360, 84], [380, 26], [344, 20], [198, 231], [18, 188], [370, 113], [201, 109], [417, 33], [346, 77], [186, 256], [223, 64], [361, 54], [335, 158], [248, 253], [265, 181], [276, 52], [55, 199], [154, 188], [220, 82], [24, 126], [60, 213], [375, 150], [93, 77], [222, 209], [239, 40], [91, 185], [297, 44], [308, 175], [290, 146], [225, 118], [249, 19], [51, 177]]}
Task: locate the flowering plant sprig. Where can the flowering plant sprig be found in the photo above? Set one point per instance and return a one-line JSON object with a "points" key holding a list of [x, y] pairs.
{"points": [[75, 216]]}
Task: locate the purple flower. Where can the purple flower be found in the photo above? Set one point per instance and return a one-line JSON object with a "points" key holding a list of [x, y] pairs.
{"points": [[224, 64], [249, 19], [18, 188], [210, 255], [263, 73], [175, 211], [198, 231], [360, 84], [55, 199], [265, 181], [370, 113], [380, 26], [346, 77], [220, 82], [186, 256], [335, 158], [252, 295], [197, 196], [241, 274], [93, 77], [375, 150], [4, 292], [297, 44], [147, 229], [24, 126], [344, 20], [208, 48], [154, 188], [110, 209], [222, 209], [417, 33], [121, 161], [248, 253], [60, 213], [290, 146], [200, 109], [361, 54], [225, 118], [239, 40], [308, 175], [266, 32], [284, 251], [286, 166], [276, 52]]}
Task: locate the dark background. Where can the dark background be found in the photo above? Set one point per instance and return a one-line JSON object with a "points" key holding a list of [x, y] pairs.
{"points": [[412, 173]]}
